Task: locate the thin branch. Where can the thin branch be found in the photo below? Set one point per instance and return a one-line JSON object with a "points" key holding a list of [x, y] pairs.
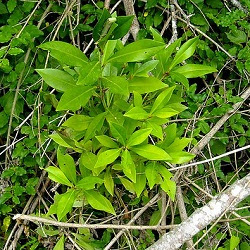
{"points": [[150, 203], [90, 226], [211, 159]]}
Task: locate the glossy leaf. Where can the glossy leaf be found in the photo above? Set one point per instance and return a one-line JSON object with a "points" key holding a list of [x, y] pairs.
{"points": [[99, 26], [145, 68], [138, 137], [106, 141], [162, 99], [65, 203], [144, 85], [94, 126], [107, 157], [137, 113], [151, 174], [78, 122], [108, 50], [65, 53], [194, 70], [62, 141], [67, 165], [165, 113], [157, 36], [57, 79], [177, 77], [170, 132], [88, 160], [180, 157], [178, 144], [118, 132], [167, 185], [98, 201], [89, 182], [116, 84], [60, 244], [128, 166], [186, 51], [56, 174], [89, 74], [108, 182], [75, 98], [137, 51], [124, 24], [151, 152]]}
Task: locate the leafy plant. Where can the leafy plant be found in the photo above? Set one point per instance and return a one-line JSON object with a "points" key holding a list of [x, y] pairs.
{"points": [[121, 99]]}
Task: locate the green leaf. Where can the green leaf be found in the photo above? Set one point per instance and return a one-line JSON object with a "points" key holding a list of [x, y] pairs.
{"points": [[78, 122], [15, 51], [237, 36], [170, 132], [108, 182], [177, 77], [186, 51], [151, 152], [164, 58], [195, 70], [99, 26], [145, 68], [62, 140], [155, 218], [151, 174], [180, 157], [137, 113], [118, 132], [57, 79], [11, 5], [137, 51], [106, 141], [144, 85], [89, 74], [88, 160], [234, 242], [140, 183], [107, 157], [178, 144], [128, 166], [65, 53], [67, 165], [116, 84], [65, 203], [60, 244], [94, 126], [139, 137], [124, 24], [89, 182], [165, 113], [127, 184], [56, 174], [156, 129], [75, 98], [99, 202], [162, 99], [167, 185], [157, 36], [108, 50]]}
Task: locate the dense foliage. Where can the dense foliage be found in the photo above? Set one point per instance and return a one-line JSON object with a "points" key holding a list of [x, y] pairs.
{"points": [[108, 125]]}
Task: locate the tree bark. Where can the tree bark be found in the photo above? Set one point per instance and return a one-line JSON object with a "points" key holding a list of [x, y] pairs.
{"points": [[203, 216]]}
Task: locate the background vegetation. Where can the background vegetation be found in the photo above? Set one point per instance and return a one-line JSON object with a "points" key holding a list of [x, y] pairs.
{"points": [[28, 117]]}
